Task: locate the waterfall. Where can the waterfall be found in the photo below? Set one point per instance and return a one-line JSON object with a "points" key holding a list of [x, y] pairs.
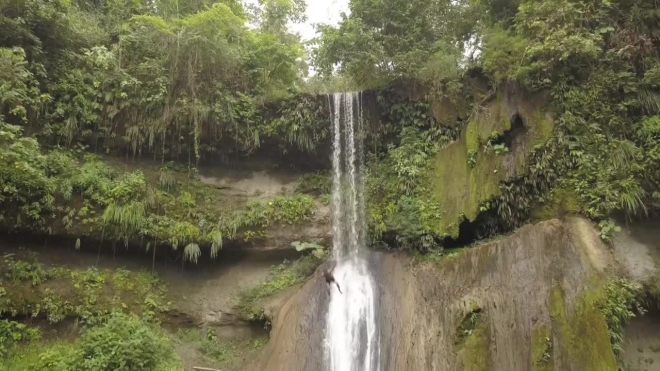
{"points": [[352, 339]]}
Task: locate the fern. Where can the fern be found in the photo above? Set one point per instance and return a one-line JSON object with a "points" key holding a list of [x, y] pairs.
{"points": [[192, 253], [125, 220], [216, 243]]}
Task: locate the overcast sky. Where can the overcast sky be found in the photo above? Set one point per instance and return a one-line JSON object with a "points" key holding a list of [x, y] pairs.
{"points": [[320, 11]]}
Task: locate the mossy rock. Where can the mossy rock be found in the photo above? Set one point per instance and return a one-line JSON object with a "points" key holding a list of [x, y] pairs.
{"points": [[448, 113], [582, 335], [474, 348], [542, 351], [460, 187], [561, 202]]}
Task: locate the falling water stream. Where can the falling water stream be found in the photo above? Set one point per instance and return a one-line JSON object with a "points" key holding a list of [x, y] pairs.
{"points": [[352, 337]]}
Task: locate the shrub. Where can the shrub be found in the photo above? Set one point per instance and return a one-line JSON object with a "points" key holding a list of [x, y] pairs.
{"points": [[123, 343], [20, 270], [12, 332], [315, 183]]}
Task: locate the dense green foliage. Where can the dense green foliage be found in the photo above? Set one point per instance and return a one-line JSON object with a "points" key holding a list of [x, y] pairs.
{"points": [[622, 304], [384, 40], [61, 293], [119, 331], [398, 182], [596, 62], [121, 342], [176, 80], [77, 193], [12, 332]]}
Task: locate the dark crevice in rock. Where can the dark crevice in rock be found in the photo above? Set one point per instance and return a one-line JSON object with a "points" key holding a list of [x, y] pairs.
{"points": [[467, 234], [136, 250], [518, 128]]}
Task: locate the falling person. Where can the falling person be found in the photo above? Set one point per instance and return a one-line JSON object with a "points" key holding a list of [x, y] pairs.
{"points": [[330, 278]]}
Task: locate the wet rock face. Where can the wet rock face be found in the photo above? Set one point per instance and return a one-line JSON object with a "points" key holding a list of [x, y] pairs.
{"points": [[514, 304], [637, 248]]}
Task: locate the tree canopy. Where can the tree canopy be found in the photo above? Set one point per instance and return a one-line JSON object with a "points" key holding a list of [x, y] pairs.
{"points": [[149, 71]]}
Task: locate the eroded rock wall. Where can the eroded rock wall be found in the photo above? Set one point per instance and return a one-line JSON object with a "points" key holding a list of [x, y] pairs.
{"points": [[532, 292]]}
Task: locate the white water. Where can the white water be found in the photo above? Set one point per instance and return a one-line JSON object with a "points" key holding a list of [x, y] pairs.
{"points": [[352, 336]]}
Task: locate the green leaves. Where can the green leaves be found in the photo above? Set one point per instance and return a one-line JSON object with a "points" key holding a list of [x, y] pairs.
{"points": [[12, 332], [316, 249], [19, 89], [400, 205], [380, 41], [608, 229], [216, 242], [249, 302], [124, 342], [622, 303]]}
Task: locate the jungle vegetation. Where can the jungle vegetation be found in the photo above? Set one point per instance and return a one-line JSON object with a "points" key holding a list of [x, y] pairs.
{"points": [[597, 62], [219, 79], [85, 84]]}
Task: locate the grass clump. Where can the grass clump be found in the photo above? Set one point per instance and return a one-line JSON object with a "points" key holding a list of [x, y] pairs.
{"points": [[468, 323], [208, 343], [439, 256], [542, 349]]}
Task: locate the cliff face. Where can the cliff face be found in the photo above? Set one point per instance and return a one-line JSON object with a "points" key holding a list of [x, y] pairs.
{"points": [[469, 171], [524, 302]]}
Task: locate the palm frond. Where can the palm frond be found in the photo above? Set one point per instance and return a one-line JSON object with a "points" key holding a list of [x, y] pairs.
{"points": [[631, 199], [649, 101]]}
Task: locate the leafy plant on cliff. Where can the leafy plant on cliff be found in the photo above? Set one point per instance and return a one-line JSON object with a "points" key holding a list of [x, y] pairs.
{"points": [[400, 207], [315, 183], [622, 303], [249, 303], [26, 270], [608, 229]]}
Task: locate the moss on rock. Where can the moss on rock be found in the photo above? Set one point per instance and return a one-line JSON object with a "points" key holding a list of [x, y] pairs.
{"points": [[460, 187], [542, 349], [582, 335], [560, 202], [475, 348]]}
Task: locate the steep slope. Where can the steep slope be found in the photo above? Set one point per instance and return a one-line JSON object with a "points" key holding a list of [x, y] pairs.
{"points": [[527, 301]]}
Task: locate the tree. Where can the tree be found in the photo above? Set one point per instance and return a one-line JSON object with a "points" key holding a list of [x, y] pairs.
{"points": [[384, 40]]}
